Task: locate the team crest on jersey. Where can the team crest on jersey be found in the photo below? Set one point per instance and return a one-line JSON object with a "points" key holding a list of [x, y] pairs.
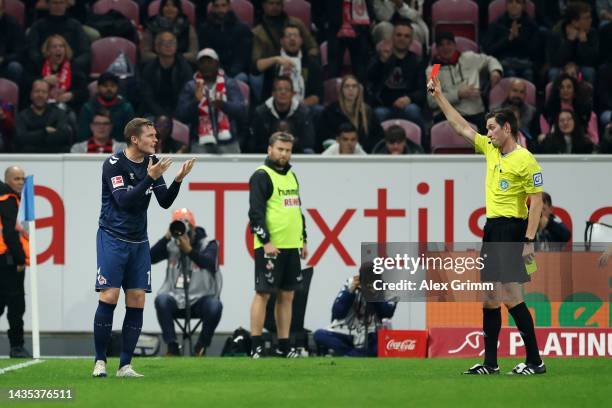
{"points": [[117, 181], [503, 185], [537, 180], [101, 279]]}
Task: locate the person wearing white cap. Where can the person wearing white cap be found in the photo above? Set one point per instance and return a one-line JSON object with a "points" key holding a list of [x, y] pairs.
{"points": [[213, 105]]}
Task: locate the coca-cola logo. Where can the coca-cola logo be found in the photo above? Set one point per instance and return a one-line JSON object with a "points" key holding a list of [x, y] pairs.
{"points": [[401, 345]]}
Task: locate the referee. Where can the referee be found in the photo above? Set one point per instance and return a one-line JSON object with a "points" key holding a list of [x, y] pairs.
{"points": [[513, 175], [280, 239]]}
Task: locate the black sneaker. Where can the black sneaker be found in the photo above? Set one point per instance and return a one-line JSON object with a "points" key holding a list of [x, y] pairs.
{"points": [[528, 369], [481, 369], [257, 352], [19, 352], [173, 350], [292, 353]]}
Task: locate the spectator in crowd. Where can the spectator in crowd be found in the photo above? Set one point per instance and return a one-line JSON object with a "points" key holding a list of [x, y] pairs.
{"points": [[7, 126], [574, 40], [517, 92], [231, 38], [348, 28], [68, 85], [12, 39], [42, 127], [552, 234], [351, 108], [460, 79], [513, 40], [170, 18], [605, 145], [164, 77], [106, 97], [603, 92], [567, 137], [57, 22], [604, 11], [282, 112], [213, 104], [100, 140], [388, 11], [548, 13], [567, 94], [396, 78], [347, 142], [351, 314], [525, 137], [165, 142], [194, 257], [304, 70], [396, 142]]}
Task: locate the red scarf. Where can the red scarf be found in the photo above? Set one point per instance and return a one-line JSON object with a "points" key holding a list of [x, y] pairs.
{"points": [[64, 76], [94, 147], [354, 12], [205, 124]]}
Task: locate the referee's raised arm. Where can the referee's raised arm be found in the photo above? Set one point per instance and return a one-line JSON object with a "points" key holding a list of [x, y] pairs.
{"points": [[459, 124]]}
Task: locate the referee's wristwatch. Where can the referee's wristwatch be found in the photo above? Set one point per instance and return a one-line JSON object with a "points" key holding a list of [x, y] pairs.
{"points": [[528, 240]]}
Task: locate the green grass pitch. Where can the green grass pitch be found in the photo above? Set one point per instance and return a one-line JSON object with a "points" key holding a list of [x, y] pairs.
{"points": [[314, 382]]}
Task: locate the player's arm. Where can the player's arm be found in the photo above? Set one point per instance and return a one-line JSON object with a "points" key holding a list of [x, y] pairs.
{"points": [[457, 122], [260, 190], [125, 199]]}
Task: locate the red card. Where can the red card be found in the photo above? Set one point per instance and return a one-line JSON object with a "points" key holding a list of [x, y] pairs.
{"points": [[434, 71]]}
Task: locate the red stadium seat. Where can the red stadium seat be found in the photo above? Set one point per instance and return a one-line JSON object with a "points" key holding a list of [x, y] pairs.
{"points": [[105, 50], [188, 9], [180, 132], [460, 17], [9, 91], [463, 44], [498, 7], [128, 8], [16, 9], [245, 91], [299, 9], [498, 94], [331, 90], [413, 131], [243, 10], [444, 140]]}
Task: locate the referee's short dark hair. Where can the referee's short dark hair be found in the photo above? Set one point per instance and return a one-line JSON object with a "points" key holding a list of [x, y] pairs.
{"points": [[134, 128], [546, 198], [281, 137], [503, 116]]}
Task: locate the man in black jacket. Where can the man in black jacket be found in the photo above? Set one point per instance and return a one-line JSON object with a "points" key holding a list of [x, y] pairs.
{"points": [[552, 233], [12, 260]]}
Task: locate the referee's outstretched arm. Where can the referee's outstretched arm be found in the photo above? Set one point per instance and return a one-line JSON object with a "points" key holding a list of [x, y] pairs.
{"points": [[460, 125]]}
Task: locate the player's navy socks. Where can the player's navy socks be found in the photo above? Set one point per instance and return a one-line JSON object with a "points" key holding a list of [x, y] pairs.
{"points": [[524, 322], [491, 325], [132, 325], [283, 345], [103, 327], [256, 341]]}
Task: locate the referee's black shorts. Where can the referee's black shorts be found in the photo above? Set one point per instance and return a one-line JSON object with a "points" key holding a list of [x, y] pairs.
{"points": [[502, 251], [284, 272]]}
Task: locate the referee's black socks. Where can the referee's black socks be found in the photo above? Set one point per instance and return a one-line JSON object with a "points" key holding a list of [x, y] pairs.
{"points": [[524, 322], [491, 325]]}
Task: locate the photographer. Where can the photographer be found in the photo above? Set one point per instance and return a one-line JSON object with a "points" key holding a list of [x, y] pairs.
{"points": [[351, 315], [192, 259]]}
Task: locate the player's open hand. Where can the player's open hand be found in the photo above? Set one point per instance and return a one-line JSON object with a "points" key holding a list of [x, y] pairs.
{"points": [[156, 170], [433, 87], [185, 169]]}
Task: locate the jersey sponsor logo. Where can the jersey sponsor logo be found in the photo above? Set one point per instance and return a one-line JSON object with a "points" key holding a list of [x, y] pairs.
{"points": [[538, 181], [113, 160], [503, 185], [291, 202], [117, 181]]}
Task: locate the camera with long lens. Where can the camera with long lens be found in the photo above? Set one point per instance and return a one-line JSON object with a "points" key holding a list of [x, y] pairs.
{"points": [[179, 228]]}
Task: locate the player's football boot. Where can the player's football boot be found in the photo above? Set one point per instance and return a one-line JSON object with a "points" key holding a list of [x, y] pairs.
{"points": [[99, 369], [481, 369], [128, 371], [528, 369]]}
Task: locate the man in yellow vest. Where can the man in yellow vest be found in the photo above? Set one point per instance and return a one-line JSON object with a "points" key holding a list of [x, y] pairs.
{"points": [[280, 239], [12, 260]]}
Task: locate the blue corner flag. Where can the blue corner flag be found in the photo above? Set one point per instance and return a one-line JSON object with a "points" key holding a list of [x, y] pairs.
{"points": [[27, 197]]}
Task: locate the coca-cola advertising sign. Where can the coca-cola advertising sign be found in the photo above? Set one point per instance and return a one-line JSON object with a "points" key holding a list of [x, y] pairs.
{"points": [[402, 343], [553, 342]]}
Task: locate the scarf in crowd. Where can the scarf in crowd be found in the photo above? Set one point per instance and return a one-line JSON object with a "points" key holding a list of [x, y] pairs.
{"points": [[295, 73], [354, 12], [93, 147], [206, 132], [64, 77]]}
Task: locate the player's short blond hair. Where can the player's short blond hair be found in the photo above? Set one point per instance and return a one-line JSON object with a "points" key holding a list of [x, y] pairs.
{"points": [[134, 128]]}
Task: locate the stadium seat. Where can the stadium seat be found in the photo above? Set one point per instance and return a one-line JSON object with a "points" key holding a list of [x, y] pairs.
{"points": [[444, 140], [463, 44], [105, 50], [498, 7], [16, 9], [9, 92], [126, 7], [457, 16], [413, 131], [180, 132], [245, 90], [299, 9], [331, 90], [243, 10], [187, 330], [498, 94], [188, 9]]}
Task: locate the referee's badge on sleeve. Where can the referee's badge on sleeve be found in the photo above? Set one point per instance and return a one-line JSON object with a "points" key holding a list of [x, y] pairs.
{"points": [[117, 181], [537, 180]]}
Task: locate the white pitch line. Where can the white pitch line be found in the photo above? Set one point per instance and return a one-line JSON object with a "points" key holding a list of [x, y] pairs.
{"points": [[18, 366]]}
